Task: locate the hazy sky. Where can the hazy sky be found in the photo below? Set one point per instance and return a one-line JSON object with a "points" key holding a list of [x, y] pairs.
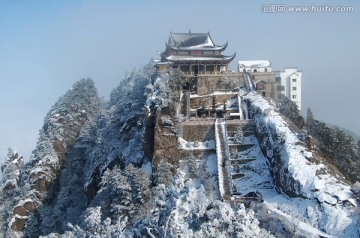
{"points": [[45, 46]]}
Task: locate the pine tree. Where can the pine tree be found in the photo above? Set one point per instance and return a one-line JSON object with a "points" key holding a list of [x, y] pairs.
{"points": [[291, 110], [128, 189], [11, 170], [163, 174], [309, 119]]}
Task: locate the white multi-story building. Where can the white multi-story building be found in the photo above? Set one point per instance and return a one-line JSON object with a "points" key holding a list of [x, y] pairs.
{"points": [[289, 84], [274, 84]]}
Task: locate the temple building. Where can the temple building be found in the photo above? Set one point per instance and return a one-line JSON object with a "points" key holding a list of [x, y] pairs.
{"points": [[194, 53], [260, 66], [261, 73]]}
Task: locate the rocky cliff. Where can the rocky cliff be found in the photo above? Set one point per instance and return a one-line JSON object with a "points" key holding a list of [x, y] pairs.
{"points": [[137, 166], [300, 172], [38, 179]]}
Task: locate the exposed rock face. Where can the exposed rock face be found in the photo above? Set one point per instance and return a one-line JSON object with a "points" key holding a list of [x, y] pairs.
{"points": [[9, 185], [285, 152], [11, 170], [61, 127], [284, 182], [297, 172], [25, 207], [21, 212], [163, 98], [18, 223], [148, 143], [165, 140], [93, 179]]}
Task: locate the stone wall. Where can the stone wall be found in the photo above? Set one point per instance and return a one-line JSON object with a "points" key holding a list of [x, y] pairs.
{"points": [[248, 129], [198, 132], [270, 86], [208, 101], [165, 141], [206, 84]]}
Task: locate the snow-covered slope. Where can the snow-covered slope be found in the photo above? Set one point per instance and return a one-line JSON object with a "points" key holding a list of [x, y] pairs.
{"points": [[330, 203], [90, 176], [186, 207]]}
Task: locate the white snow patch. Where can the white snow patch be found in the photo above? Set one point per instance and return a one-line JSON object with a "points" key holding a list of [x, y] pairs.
{"points": [[146, 167], [315, 183], [196, 145]]}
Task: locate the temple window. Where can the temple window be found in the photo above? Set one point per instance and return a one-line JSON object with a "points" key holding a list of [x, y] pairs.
{"points": [[208, 52], [183, 52], [196, 52]]}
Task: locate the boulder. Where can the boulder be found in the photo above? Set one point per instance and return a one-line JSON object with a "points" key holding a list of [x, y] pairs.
{"points": [[18, 223]]}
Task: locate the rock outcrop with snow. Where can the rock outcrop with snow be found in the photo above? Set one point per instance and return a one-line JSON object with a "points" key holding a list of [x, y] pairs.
{"points": [[135, 166], [39, 176], [298, 172]]}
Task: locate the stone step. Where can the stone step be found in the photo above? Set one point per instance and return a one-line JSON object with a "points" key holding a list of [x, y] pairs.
{"points": [[237, 175], [241, 161], [223, 155]]}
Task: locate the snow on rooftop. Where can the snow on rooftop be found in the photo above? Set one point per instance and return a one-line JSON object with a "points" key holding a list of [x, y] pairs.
{"points": [[196, 58], [191, 39], [213, 94], [206, 44], [254, 63]]}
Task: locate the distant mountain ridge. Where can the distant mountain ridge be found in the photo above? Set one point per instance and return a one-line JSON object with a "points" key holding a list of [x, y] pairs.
{"points": [[347, 131]]}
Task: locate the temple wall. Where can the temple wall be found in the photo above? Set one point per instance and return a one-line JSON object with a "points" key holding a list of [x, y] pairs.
{"points": [[206, 84], [198, 132], [208, 101]]}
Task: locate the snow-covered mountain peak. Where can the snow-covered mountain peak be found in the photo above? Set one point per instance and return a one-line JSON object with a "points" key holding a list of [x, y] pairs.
{"points": [[161, 159]]}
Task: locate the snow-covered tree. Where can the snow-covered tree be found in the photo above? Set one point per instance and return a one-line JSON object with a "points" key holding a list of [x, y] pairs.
{"points": [[163, 174], [338, 145], [239, 135], [309, 119], [11, 170], [193, 167], [165, 92], [37, 180], [356, 188], [128, 189], [291, 110], [114, 136]]}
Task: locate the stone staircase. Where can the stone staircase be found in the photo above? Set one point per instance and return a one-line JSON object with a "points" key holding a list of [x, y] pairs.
{"points": [[222, 152], [185, 104]]}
